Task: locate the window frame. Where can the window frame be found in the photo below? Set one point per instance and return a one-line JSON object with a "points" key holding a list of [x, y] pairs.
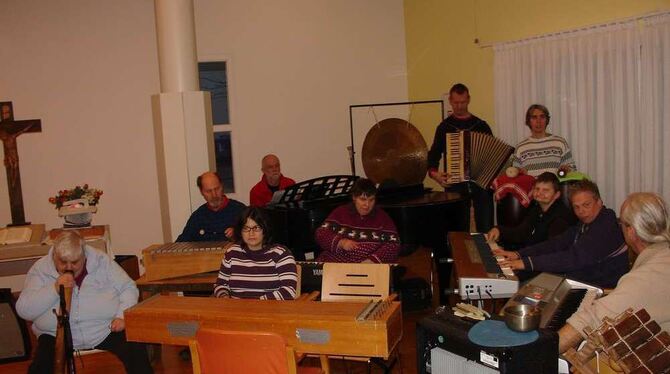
{"points": [[230, 126]]}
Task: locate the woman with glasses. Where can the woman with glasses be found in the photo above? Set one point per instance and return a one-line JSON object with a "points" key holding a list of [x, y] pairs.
{"points": [[253, 268]]}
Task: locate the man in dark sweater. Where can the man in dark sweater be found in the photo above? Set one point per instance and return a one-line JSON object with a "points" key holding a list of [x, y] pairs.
{"points": [[593, 251], [214, 220], [461, 120], [546, 218]]}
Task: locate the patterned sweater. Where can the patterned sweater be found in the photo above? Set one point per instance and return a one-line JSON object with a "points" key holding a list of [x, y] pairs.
{"points": [[540, 155], [267, 274], [375, 234]]}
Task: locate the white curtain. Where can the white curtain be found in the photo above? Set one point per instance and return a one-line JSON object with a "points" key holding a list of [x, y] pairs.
{"points": [[606, 89]]}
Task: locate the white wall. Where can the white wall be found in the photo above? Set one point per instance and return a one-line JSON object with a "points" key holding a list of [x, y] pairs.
{"points": [[88, 69], [295, 67]]}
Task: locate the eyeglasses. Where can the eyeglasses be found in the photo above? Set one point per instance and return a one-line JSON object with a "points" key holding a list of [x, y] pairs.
{"points": [[247, 229]]}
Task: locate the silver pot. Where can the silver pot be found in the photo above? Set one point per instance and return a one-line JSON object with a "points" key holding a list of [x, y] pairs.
{"points": [[522, 317]]}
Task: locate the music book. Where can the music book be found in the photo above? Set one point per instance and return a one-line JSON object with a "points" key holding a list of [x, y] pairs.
{"points": [[14, 235]]}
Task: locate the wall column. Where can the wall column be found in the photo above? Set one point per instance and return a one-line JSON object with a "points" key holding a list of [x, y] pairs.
{"points": [[182, 117]]}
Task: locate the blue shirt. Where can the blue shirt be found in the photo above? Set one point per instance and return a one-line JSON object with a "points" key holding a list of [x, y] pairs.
{"points": [[206, 225]]}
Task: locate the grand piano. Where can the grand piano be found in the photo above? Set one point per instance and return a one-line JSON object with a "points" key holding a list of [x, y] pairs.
{"points": [[394, 157]]}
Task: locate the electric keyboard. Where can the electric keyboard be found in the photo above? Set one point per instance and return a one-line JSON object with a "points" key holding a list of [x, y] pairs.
{"points": [[557, 297], [476, 269]]}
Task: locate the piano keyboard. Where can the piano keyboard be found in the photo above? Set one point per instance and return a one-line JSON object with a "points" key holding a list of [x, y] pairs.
{"points": [[507, 271], [481, 251], [557, 296], [477, 271]]}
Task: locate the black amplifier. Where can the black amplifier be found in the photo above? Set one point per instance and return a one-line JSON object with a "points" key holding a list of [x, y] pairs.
{"points": [[443, 346]]}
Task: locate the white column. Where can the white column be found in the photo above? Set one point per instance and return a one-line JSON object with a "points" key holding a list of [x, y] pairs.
{"points": [[182, 117], [177, 56]]}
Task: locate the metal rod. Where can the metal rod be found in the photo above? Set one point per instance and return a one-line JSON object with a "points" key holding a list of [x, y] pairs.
{"points": [[352, 152]]}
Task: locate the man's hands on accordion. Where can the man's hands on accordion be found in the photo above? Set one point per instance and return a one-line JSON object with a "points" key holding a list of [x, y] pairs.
{"points": [[440, 177]]}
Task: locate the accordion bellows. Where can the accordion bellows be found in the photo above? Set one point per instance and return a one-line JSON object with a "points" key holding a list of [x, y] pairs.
{"points": [[474, 156]]}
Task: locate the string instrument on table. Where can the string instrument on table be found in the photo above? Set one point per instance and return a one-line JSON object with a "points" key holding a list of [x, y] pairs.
{"points": [[343, 328], [162, 261], [631, 342], [63, 353], [474, 156]]}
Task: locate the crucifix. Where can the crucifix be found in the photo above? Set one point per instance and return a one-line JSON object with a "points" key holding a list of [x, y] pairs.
{"points": [[9, 131]]}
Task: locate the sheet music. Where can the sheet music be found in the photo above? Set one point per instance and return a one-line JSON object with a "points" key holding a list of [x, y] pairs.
{"points": [[276, 197]]}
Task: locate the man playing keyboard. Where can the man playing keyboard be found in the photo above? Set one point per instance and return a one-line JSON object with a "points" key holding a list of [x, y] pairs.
{"points": [[593, 251], [646, 228], [547, 217]]}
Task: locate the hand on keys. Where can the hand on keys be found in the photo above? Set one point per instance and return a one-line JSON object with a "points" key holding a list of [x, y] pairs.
{"points": [[506, 255], [507, 260]]}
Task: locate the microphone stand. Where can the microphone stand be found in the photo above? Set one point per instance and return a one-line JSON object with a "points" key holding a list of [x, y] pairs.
{"points": [[68, 366]]}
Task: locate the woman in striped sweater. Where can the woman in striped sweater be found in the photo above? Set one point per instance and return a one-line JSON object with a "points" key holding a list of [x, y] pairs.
{"points": [[253, 268]]}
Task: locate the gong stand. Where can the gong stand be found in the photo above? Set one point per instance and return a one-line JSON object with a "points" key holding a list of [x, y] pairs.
{"points": [[352, 152]]}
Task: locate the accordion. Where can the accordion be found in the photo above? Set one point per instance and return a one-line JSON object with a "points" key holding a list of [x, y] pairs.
{"points": [[474, 156]]}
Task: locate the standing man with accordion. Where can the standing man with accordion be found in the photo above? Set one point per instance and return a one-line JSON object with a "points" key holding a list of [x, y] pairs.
{"points": [[461, 120]]}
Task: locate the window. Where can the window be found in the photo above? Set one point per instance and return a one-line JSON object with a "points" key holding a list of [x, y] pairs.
{"points": [[214, 78]]}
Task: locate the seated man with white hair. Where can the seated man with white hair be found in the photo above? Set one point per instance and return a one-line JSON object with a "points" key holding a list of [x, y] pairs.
{"points": [[101, 291], [646, 228]]}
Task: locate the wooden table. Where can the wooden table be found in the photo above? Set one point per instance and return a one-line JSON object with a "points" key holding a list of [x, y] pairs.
{"points": [[191, 283], [324, 328]]}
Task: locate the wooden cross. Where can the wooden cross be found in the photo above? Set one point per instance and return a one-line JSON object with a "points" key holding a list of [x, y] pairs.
{"points": [[9, 131]]}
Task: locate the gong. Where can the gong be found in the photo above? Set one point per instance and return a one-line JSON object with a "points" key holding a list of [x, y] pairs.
{"points": [[395, 152]]}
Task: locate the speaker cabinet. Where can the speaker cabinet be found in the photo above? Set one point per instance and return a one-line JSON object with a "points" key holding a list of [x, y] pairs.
{"points": [[443, 347], [15, 342]]}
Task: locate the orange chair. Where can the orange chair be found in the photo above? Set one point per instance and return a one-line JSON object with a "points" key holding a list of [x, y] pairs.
{"points": [[220, 351]]}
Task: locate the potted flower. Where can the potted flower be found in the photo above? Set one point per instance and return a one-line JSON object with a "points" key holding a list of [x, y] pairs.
{"points": [[77, 205]]}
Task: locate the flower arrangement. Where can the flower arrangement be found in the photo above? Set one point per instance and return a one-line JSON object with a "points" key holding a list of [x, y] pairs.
{"points": [[91, 195]]}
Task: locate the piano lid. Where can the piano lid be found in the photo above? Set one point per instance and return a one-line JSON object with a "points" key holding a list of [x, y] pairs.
{"points": [[394, 152]]}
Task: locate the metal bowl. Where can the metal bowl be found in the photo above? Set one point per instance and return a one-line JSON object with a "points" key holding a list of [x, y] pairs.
{"points": [[522, 317]]}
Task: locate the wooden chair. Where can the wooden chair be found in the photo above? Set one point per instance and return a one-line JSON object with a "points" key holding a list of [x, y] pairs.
{"points": [[221, 351], [358, 282]]}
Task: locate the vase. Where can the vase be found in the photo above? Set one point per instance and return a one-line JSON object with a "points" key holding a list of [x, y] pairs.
{"points": [[78, 220]]}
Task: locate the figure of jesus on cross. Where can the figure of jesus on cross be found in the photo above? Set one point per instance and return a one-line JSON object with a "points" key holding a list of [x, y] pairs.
{"points": [[9, 131]]}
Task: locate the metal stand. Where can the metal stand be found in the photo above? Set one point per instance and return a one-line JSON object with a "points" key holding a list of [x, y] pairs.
{"points": [[351, 148]]}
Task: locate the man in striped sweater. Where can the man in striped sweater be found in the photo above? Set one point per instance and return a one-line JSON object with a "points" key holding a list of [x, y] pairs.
{"points": [[254, 268], [542, 152]]}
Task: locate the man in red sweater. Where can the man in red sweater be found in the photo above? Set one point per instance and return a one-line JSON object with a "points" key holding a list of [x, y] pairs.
{"points": [[272, 181]]}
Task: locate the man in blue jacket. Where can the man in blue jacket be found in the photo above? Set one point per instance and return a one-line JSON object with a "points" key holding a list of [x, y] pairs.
{"points": [[213, 220], [593, 251]]}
